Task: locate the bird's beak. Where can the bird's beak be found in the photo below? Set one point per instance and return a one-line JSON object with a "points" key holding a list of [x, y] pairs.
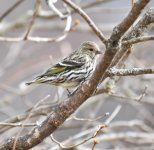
{"points": [[98, 52]]}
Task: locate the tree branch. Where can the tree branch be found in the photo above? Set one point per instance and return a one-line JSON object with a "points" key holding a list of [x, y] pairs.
{"points": [[138, 39], [40, 39], [120, 30], [141, 26], [37, 8], [87, 19], [16, 4], [129, 72]]}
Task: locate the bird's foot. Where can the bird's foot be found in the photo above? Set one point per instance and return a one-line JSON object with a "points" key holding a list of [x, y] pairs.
{"points": [[69, 93]]}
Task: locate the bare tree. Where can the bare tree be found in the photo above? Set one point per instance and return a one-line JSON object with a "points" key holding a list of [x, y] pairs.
{"points": [[111, 67]]}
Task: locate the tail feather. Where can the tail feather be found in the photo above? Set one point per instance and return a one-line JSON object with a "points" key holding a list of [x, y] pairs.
{"points": [[29, 83], [36, 80]]}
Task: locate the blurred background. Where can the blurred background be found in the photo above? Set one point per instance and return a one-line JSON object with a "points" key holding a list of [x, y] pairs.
{"points": [[131, 98]]}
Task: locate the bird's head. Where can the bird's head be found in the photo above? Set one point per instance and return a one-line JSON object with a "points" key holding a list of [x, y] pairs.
{"points": [[90, 48]]}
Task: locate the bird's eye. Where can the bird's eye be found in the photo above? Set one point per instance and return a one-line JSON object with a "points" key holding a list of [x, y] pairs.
{"points": [[91, 49]]}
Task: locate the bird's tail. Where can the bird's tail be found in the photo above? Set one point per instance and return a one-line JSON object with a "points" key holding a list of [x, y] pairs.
{"points": [[29, 83], [36, 80]]}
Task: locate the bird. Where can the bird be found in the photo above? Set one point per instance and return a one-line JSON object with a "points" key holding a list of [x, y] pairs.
{"points": [[72, 70]]}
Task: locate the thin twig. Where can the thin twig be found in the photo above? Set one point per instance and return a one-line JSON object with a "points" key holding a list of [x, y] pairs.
{"points": [[87, 19], [137, 98], [37, 112], [138, 39], [41, 39], [138, 137], [57, 11], [18, 124], [94, 144], [22, 127], [90, 130], [129, 72], [113, 115], [37, 7], [130, 124], [100, 127], [22, 21], [15, 5], [90, 120], [49, 15]]}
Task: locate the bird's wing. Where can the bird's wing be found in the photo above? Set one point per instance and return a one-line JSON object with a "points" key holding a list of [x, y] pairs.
{"points": [[62, 66]]}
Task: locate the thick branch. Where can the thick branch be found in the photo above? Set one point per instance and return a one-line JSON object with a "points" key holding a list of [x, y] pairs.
{"points": [[63, 110], [142, 26], [120, 30], [135, 32], [67, 107]]}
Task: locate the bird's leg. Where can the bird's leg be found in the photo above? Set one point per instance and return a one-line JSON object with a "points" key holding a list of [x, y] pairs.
{"points": [[95, 91], [81, 83], [69, 93]]}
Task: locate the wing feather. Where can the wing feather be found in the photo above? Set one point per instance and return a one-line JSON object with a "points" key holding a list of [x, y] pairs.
{"points": [[62, 66]]}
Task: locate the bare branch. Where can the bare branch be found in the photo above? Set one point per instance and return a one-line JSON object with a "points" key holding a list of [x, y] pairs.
{"points": [[89, 120], [141, 26], [100, 127], [41, 39], [113, 115], [33, 39], [37, 7], [145, 138], [21, 117], [129, 72], [94, 144], [16, 4], [138, 39], [120, 30], [87, 19], [137, 98], [18, 124], [49, 15], [130, 124], [89, 130], [21, 22], [136, 31], [52, 6]]}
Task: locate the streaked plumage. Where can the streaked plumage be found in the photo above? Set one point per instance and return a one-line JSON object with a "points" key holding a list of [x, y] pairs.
{"points": [[72, 70]]}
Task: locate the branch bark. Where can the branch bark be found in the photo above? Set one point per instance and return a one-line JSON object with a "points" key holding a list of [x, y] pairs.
{"points": [[129, 72], [120, 30], [138, 40]]}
